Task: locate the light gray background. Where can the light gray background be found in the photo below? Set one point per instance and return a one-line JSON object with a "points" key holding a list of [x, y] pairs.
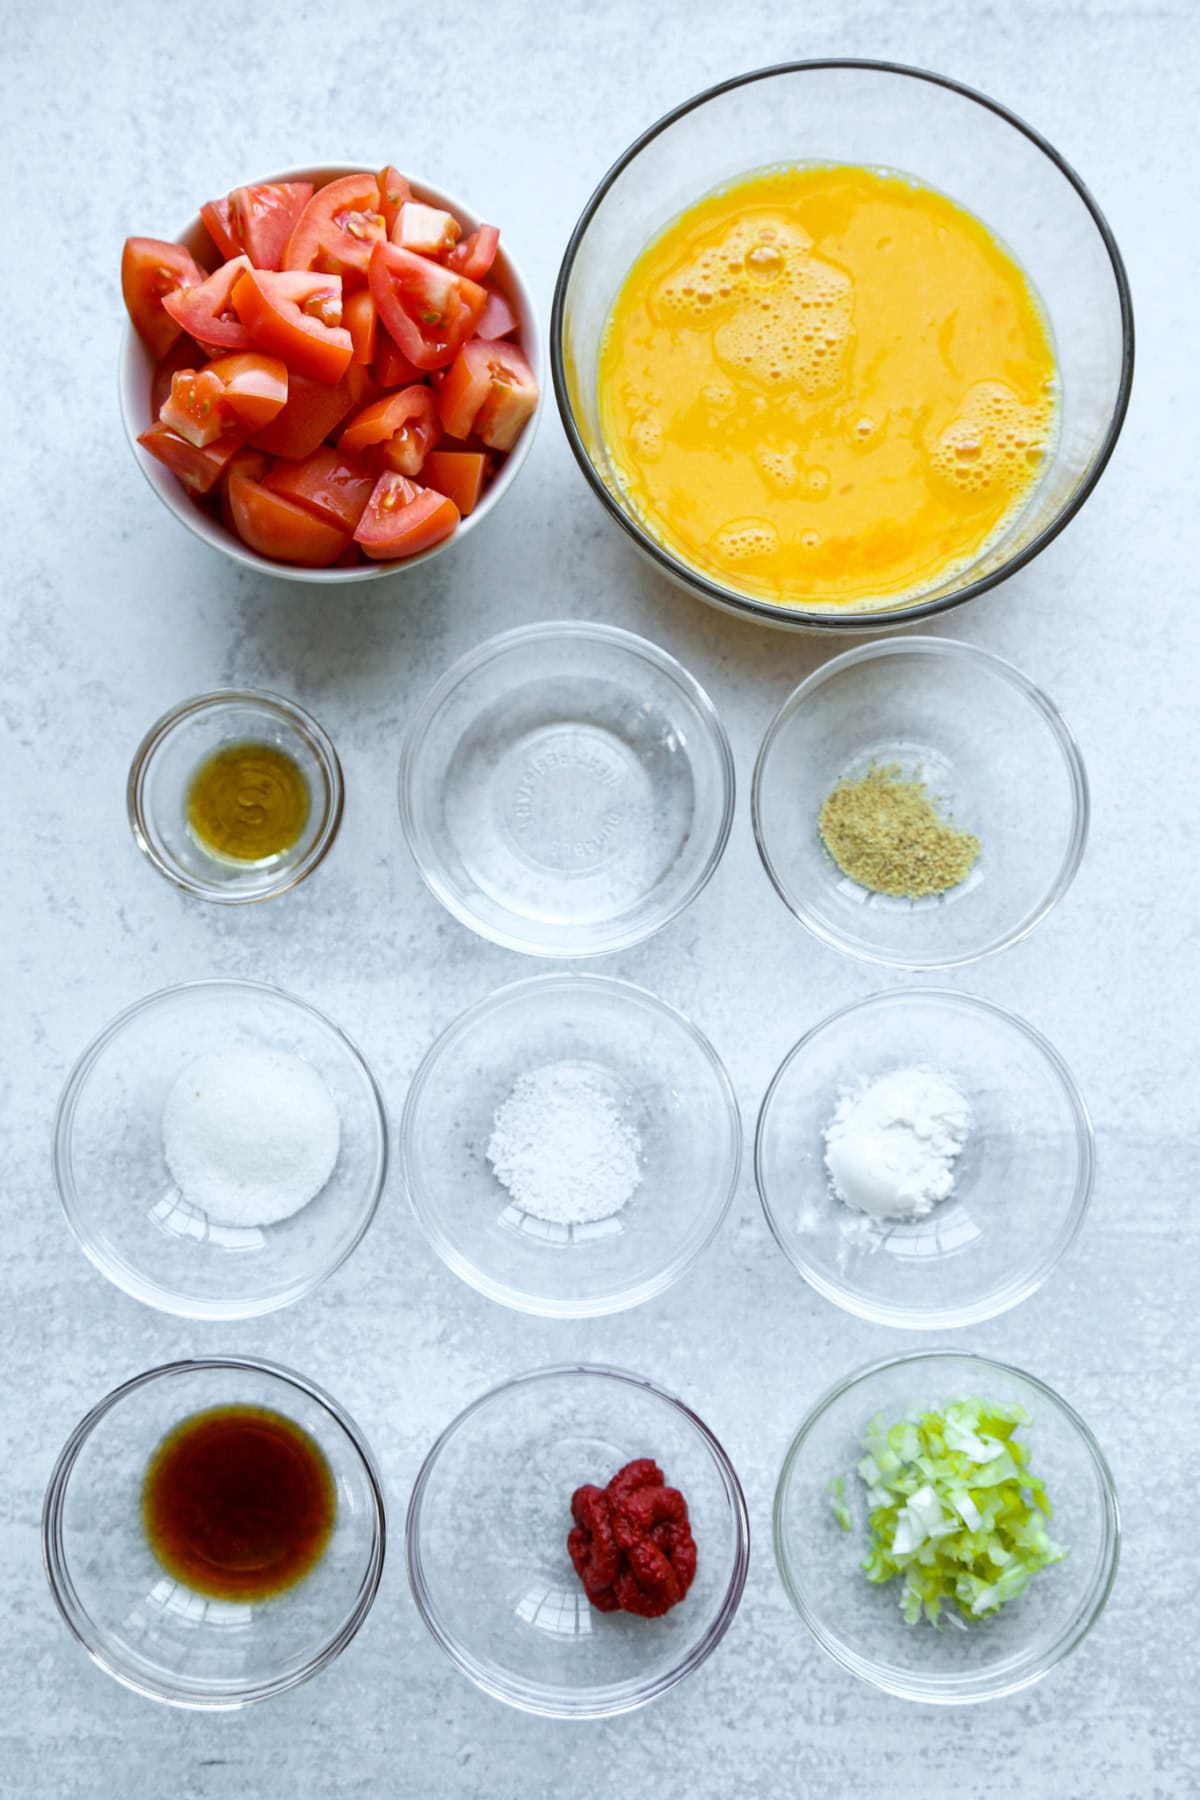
{"points": [[119, 120]]}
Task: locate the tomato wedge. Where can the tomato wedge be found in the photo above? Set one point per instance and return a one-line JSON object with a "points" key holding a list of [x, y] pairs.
{"points": [[393, 192], [313, 411], [391, 365], [458, 474], [297, 317], [334, 484], [429, 311], [490, 391], [234, 393], [426, 230], [476, 254], [338, 228], [276, 526], [498, 318], [207, 311], [151, 272], [219, 226], [402, 519], [400, 429], [185, 353], [361, 321], [199, 467], [262, 217]]}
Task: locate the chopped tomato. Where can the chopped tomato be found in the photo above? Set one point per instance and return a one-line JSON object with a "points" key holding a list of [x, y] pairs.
{"points": [[199, 467], [402, 519], [219, 227], [263, 216], [313, 410], [185, 353], [207, 311], [400, 429], [458, 474], [297, 317], [491, 391], [390, 363], [393, 192], [429, 311], [151, 272], [361, 321], [338, 228], [334, 484], [498, 319], [235, 393], [276, 526], [476, 254], [426, 230]]}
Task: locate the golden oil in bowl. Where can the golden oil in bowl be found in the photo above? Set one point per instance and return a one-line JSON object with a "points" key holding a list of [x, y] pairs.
{"points": [[248, 802]]}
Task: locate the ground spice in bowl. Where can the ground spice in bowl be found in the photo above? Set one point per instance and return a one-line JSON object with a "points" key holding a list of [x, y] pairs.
{"points": [[887, 834]]}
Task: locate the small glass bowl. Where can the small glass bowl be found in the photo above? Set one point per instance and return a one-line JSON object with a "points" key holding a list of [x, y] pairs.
{"points": [[168, 757], [994, 753], [148, 1630], [120, 1198], [487, 1542], [1022, 1182], [566, 789], [860, 1624], [878, 115], [667, 1082]]}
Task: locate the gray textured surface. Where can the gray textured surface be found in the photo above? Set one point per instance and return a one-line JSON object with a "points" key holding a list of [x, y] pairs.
{"points": [[118, 121]]}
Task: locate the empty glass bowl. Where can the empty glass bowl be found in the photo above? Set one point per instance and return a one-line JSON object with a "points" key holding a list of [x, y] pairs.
{"points": [[487, 1542], [667, 1084], [139, 1623], [566, 789], [124, 1205], [1021, 1183], [893, 118], [860, 1623], [997, 759], [170, 754]]}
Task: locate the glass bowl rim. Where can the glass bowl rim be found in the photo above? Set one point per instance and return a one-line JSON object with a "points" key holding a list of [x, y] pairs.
{"points": [[114, 1268], [1015, 1291], [470, 1272], [177, 503], [793, 618], [303, 723], [79, 1621], [491, 650], [992, 665], [936, 1690], [525, 1696]]}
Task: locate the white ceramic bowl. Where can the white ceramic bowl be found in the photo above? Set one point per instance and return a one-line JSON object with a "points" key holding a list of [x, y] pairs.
{"points": [[137, 371]]}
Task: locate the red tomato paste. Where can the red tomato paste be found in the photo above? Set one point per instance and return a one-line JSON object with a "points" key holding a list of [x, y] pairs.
{"points": [[632, 1544]]}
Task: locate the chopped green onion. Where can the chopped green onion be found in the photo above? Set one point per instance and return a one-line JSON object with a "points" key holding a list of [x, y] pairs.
{"points": [[954, 1508]]}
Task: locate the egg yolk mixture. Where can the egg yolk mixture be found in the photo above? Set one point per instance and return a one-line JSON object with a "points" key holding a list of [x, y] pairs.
{"points": [[827, 386]]}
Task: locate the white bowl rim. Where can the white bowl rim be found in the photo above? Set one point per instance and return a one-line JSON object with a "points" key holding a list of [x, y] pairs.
{"points": [[114, 1268], [179, 502], [942, 1318], [934, 1690], [526, 1697], [924, 644], [75, 1616], [492, 649]]}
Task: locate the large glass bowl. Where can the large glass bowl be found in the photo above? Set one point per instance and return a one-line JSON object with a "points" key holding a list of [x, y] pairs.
{"points": [[666, 1082], [860, 1623], [995, 755], [1022, 1183], [147, 1629], [879, 115], [487, 1542], [566, 789], [117, 1190]]}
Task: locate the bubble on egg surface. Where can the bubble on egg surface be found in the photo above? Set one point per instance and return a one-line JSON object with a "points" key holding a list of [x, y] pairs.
{"points": [[992, 442], [742, 540]]}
